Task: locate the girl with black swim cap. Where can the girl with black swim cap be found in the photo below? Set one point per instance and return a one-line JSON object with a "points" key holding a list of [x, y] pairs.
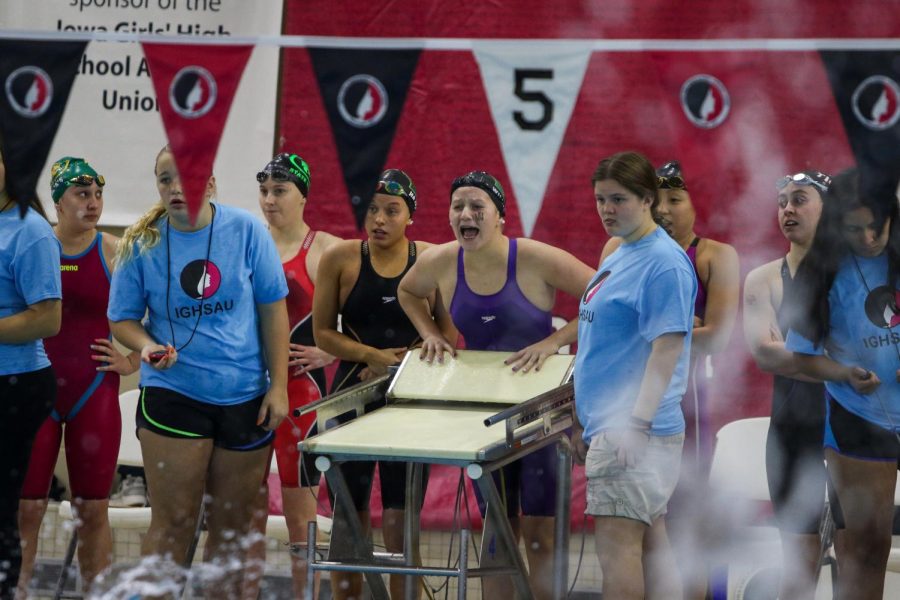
{"points": [[283, 194], [359, 280], [500, 293]]}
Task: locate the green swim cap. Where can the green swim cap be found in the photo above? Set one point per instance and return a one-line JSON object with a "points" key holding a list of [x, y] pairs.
{"points": [[69, 171]]}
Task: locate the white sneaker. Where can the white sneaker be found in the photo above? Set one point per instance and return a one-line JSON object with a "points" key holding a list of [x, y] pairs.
{"points": [[131, 492]]}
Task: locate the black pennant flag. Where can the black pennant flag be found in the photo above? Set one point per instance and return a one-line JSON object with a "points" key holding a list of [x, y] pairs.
{"points": [[364, 92], [35, 80], [866, 87]]}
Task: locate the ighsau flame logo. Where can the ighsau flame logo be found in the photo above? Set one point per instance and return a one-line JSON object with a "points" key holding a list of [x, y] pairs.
{"points": [[192, 93], [199, 281], [594, 286], [876, 102], [705, 101], [29, 91], [362, 101], [881, 307]]}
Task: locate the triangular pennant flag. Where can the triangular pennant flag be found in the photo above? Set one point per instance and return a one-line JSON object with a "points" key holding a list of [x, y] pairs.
{"points": [[866, 87], [35, 78], [532, 90], [363, 92], [194, 88]]}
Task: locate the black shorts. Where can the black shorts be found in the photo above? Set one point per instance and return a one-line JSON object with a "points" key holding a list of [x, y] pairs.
{"points": [[855, 437], [232, 426]]}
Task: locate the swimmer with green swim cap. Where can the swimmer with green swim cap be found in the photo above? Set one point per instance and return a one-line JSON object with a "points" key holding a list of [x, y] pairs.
{"points": [[69, 171]]}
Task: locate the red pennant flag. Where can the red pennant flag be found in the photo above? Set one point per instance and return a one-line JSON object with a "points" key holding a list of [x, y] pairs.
{"points": [[194, 87]]}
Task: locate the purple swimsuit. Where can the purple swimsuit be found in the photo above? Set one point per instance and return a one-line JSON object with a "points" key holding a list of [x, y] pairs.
{"points": [[508, 321], [700, 302]]}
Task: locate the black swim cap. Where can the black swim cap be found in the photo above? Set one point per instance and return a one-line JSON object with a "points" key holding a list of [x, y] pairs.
{"points": [[287, 167], [669, 176], [395, 182], [484, 181]]}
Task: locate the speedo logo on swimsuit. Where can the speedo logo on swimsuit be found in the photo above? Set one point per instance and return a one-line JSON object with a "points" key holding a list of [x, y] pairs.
{"points": [[68, 267], [388, 299], [488, 318]]}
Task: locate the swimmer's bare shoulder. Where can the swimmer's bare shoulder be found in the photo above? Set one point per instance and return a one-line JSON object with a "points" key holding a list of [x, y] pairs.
{"points": [[763, 285]]}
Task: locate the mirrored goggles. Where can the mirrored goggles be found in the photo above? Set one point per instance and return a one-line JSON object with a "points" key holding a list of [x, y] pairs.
{"points": [[673, 182], [820, 181], [86, 180]]}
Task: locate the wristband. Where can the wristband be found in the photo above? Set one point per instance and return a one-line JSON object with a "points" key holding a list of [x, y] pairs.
{"points": [[639, 424]]}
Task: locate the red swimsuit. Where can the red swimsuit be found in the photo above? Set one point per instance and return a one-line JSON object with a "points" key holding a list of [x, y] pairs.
{"points": [[304, 388], [87, 401]]}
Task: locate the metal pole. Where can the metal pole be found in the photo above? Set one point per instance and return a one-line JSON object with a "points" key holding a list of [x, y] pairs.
{"points": [[563, 511], [345, 515], [411, 526], [311, 536], [463, 578], [504, 532]]}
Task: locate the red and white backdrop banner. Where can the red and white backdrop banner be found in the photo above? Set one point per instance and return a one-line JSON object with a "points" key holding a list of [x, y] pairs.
{"points": [[538, 92], [534, 92], [112, 118]]}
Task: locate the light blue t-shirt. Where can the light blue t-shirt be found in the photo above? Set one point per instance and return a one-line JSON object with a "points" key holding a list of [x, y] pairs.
{"points": [[860, 334], [29, 273], [643, 290], [223, 363]]}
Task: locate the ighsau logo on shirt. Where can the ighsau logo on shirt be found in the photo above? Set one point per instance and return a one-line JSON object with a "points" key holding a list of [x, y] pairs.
{"points": [[200, 280], [592, 289], [881, 308]]}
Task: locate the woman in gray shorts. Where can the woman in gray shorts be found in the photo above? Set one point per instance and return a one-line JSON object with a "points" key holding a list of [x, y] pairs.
{"points": [[634, 333]]}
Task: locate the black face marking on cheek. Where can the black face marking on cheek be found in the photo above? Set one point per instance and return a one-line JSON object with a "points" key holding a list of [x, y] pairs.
{"points": [[479, 216]]}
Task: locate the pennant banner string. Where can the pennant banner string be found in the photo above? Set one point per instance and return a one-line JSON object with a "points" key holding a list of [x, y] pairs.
{"points": [[466, 44]]}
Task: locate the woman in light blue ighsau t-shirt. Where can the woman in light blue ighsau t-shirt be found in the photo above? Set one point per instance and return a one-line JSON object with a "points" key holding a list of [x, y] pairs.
{"points": [[634, 333], [214, 370], [847, 336], [30, 310]]}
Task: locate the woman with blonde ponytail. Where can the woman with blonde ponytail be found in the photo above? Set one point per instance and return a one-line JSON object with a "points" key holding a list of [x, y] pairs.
{"points": [[214, 369]]}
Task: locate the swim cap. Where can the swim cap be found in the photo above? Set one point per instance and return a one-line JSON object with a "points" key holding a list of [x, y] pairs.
{"points": [[395, 182], [69, 171], [287, 167], [669, 176], [486, 182]]}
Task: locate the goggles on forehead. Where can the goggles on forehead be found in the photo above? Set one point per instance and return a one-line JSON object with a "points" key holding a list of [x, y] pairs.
{"points": [[392, 188], [672, 182], [277, 175], [86, 180], [818, 180]]}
